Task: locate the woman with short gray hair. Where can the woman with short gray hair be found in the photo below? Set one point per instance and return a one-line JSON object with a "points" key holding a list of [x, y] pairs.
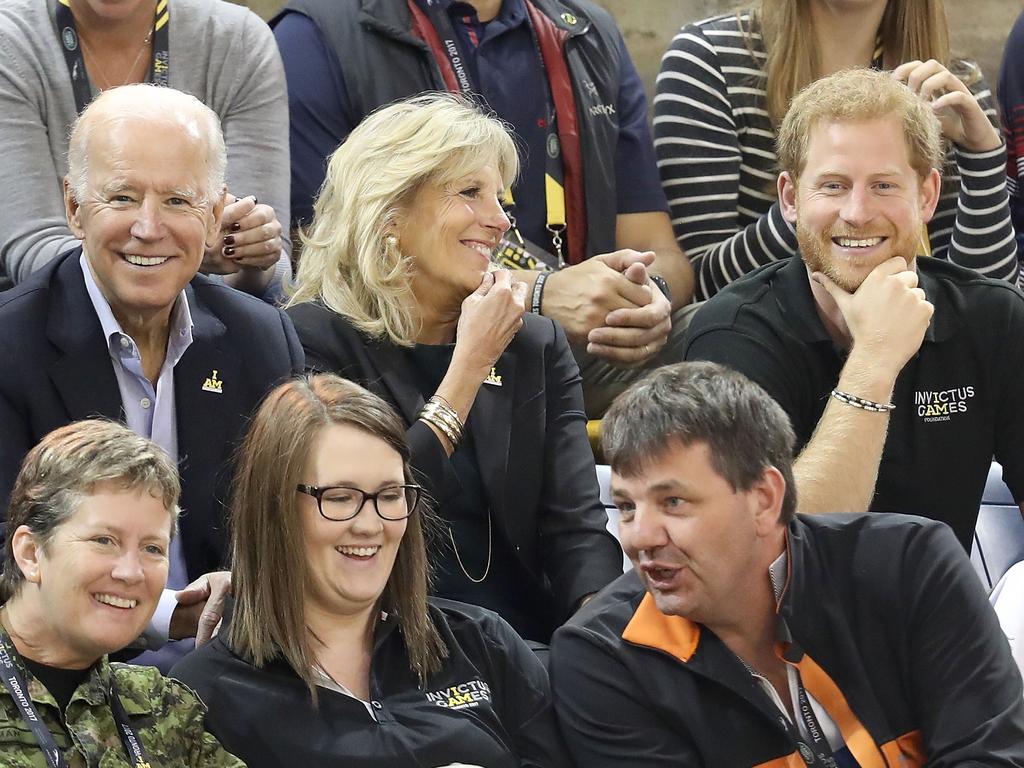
{"points": [[89, 525]]}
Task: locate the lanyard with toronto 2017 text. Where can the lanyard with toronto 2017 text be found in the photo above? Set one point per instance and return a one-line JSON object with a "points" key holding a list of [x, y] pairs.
{"points": [[818, 752], [515, 253], [71, 44], [15, 684]]}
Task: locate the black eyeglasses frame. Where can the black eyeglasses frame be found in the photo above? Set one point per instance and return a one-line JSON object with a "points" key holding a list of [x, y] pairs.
{"points": [[318, 491]]}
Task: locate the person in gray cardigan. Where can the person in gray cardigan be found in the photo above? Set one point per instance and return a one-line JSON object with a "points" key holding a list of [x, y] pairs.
{"points": [[221, 53]]}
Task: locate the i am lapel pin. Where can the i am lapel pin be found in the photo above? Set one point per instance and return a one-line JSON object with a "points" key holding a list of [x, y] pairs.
{"points": [[493, 378], [215, 385]]}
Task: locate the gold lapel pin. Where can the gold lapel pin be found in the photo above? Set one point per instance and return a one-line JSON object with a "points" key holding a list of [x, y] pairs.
{"points": [[213, 384], [493, 378]]}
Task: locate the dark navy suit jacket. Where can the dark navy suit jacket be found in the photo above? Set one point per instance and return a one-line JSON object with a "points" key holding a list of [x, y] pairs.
{"points": [[55, 368]]}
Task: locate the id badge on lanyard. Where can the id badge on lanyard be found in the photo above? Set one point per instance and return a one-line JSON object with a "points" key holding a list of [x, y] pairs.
{"points": [[159, 69], [514, 251], [816, 751]]}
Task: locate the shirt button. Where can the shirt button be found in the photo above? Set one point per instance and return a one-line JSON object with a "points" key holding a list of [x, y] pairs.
{"points": [[377, 705], [125, 342], [145, 402]]}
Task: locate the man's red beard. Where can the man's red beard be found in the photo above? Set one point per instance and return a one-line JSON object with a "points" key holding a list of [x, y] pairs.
{"points": [[816, 250]]}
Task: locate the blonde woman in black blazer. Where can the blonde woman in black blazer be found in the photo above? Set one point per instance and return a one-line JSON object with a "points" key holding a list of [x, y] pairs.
{"points": [[394, 291]]}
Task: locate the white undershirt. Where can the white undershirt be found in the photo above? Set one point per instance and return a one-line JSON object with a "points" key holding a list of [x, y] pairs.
{"points": [[827, 724]]}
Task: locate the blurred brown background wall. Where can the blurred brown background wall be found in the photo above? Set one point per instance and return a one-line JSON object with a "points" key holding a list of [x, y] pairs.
{"points": [[978, 27]]}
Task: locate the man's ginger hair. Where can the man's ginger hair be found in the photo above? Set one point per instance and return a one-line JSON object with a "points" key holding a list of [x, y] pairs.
{"points": [[853, 96]]}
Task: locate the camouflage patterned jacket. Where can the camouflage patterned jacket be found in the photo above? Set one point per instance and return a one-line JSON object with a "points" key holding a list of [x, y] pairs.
{"points": [[166, 714]]}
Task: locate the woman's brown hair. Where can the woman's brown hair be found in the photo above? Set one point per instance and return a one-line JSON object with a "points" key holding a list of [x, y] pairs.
{"points": [[269, 571], [910, 30]]}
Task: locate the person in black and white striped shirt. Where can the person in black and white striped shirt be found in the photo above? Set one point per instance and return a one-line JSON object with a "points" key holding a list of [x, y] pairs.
{"points": [[724, 85]]}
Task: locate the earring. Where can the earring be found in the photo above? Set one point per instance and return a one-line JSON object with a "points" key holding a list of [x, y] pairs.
{"points": [[391, 242]]}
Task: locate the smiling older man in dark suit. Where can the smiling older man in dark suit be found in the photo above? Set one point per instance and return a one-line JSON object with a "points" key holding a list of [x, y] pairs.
{"points": [[124, 327]]}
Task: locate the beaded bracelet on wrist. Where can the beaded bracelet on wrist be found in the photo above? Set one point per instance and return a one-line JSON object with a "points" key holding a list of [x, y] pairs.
{"points": [[859, 402], [538, 292]]}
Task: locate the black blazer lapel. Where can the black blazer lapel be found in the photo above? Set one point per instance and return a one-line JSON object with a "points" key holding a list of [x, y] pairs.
{"points": [[207, 386], [396, 381], [208, 391], [491, 422], [84, 374]]}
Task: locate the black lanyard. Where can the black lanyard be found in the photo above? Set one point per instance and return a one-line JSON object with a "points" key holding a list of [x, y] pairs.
{"points": [[818, 753], [819, 748], [132, 746], [16, 686], [554, 172], [159, 69]]}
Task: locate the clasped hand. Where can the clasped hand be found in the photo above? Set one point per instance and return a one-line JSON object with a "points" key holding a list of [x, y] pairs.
{"points": [[609, 303]]}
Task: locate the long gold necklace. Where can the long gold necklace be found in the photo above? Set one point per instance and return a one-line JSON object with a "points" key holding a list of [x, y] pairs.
{"points": [[458, 557], [107, 82]]}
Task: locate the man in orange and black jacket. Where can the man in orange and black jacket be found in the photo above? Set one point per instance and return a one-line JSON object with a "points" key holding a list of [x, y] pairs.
{"points": [[749, 635]]}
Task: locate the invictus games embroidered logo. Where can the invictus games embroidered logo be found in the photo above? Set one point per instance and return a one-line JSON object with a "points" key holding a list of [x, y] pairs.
{"points": [[942, 405], [464, 696]]}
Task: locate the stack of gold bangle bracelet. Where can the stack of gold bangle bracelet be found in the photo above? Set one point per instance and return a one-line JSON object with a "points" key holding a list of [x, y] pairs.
{"points": [[439, 413]]}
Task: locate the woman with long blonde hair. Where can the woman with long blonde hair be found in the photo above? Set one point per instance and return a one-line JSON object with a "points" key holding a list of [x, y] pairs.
{"points": [[395, 291], [725, 84]]}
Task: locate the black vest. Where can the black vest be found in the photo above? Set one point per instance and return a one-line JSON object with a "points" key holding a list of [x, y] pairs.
{"points": [[382, 61]]}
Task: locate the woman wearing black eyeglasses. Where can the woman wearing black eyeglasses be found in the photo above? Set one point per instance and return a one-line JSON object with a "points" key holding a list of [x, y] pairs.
{"points": [[334, 655]]}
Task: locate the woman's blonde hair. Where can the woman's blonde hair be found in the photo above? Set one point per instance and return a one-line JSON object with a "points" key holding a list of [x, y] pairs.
{"points": [[910, 30], [349, 261], [270, 576]]}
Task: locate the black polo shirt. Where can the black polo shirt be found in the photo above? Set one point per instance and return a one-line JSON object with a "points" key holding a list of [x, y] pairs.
{"points": [[489, 705], [958, 401]]}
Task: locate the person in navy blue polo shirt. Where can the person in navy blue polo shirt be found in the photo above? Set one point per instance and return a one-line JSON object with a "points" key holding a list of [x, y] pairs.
{"points": [[588, 195]]}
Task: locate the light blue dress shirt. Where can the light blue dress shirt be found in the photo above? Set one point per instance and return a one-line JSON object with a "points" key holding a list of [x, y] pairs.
{"points": [[149, 411]]}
